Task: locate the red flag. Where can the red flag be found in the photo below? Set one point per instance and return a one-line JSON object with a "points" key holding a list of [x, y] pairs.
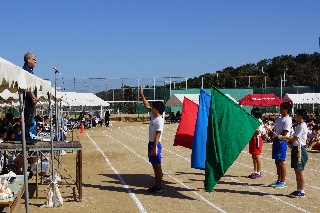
{"points": [[185, 132]]}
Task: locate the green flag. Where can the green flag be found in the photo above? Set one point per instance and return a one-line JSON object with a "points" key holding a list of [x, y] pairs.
{"points": [[230, 128]]}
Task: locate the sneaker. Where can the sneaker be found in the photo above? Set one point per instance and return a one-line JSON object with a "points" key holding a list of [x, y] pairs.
{"points": [[280, 185], [293, 194], [256, 176], [297, 194], [250, 176], [155, 189], [274, 183]]}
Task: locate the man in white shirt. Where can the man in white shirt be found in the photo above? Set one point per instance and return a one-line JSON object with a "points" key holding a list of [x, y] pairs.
{"points": [[155, 134]]}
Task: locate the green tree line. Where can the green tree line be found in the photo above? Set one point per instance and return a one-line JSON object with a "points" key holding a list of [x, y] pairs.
{"points": [[300, 70]]}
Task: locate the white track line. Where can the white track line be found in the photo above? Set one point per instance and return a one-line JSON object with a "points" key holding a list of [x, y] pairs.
{"points": [[278, 199], [187, 187], [272, 196], [132, 195]]}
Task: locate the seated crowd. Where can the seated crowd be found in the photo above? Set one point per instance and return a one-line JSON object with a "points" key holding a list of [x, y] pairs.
{"points": [[313, 141]]}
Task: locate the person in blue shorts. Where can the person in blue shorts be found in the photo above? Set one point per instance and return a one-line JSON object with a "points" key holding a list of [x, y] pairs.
{"points": [[282, 127], [299, 154], [155, 134]]}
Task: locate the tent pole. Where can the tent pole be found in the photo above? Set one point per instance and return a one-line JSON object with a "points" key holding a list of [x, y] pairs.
{"points": [[24, 151], [52, 152]]}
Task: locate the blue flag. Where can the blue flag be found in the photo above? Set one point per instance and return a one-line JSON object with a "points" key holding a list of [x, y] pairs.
{"points": [[198, 155]]}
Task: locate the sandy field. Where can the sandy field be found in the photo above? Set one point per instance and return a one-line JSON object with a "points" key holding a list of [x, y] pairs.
{"points": [[116, 174]]}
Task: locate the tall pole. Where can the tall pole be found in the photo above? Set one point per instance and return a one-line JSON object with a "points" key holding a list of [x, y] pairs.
{"points": [[52, 152], [55, 106], [201, 82], [265, 83], [122, 91], [106, 89], [24, 151], [170, 87], [138, 93], [186, 83], [154, 88], [281, 86]]}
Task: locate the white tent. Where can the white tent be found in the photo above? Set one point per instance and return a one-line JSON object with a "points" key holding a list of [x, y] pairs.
{"points": [[14, 78], [177, 99], [306, 98], [80, 99]]}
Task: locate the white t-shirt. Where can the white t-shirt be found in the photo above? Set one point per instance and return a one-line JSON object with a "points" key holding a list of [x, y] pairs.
{"points": [[261, 128], [282, 124], [156, 124], [301, 132]]}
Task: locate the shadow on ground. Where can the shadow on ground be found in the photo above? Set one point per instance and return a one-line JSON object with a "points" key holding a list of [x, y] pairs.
{"points": [[138, 184]]}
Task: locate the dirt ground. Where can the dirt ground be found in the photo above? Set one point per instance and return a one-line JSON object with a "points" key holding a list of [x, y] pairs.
{"points": [[116, 174]]}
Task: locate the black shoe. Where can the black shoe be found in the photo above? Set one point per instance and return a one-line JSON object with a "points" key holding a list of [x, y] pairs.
{"points": [[155, 189]]}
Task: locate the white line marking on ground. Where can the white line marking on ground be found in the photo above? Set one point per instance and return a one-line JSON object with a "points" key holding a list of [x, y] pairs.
{"points": [[197, 194], [278, 199], [272, 196], [132, 195], [314, 187]]}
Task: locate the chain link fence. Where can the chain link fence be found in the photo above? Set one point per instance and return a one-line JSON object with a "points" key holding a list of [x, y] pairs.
{"points": [[123, 93], [124, 98]]}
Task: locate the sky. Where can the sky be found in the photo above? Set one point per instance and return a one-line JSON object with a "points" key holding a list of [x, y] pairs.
{"points": [[153, 38]]}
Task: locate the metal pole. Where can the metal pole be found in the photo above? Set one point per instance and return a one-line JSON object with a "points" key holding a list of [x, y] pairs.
{"points": [[52, 153], [201, 82], [281, 86], [56, 107], [138, 93], [186, 83], [154, 88], [170, 86], [24, 151], [106, 89], [122, 91]]}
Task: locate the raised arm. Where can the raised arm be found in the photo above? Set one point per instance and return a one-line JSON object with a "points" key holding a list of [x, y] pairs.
{"points": [[144, 100]]}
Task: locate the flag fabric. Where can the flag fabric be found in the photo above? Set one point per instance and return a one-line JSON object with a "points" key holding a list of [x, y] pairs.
{"points": [[230, 128], [198, 154], [185, 131]]}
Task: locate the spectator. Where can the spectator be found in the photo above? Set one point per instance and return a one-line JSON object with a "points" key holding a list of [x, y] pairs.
{"points": [[9, 116], [3, 134], [107, 117]]}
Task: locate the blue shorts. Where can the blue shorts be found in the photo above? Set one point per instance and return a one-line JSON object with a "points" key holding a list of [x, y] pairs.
{"points": [[279, 150], [155, 159]]}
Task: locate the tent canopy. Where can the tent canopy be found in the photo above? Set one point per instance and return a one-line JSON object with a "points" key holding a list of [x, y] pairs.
{"points": [[306, 98], [80, 99], [13, 78], [260, 100], [177, 99]]}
